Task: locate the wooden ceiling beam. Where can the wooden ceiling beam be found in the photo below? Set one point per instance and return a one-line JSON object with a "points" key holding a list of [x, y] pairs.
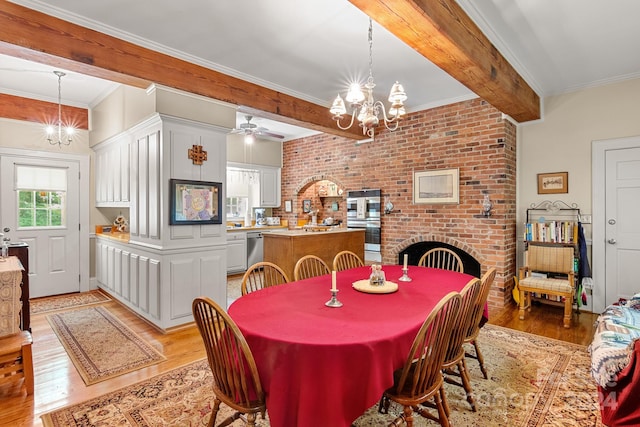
{"points": [[33, 35], [33, 110], [443, 33]]}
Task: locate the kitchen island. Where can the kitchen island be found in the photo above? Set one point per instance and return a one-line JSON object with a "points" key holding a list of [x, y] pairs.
{"points": [[286, 247]]}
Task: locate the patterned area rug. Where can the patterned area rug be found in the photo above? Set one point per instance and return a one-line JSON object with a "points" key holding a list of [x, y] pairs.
{"points": [[234, 288], [99, 345], [47, 304], [533, 381]]}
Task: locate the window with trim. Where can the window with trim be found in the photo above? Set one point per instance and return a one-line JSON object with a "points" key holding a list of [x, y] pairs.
{"points": [[42, 196], [236, 207]]}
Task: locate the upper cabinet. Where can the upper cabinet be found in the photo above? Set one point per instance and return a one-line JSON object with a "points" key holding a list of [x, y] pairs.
{"points": [[258, 185], [112, 176], [269, 187]]}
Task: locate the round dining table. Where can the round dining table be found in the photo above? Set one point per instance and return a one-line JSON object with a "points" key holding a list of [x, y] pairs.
{"points": [[325, 366]]}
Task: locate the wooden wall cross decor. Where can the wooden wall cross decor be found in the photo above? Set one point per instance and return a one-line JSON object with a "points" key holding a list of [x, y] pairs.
{"points": [[197, 154]]}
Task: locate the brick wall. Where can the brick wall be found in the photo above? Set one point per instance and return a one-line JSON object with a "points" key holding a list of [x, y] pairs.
{"points": [[470, 135]]}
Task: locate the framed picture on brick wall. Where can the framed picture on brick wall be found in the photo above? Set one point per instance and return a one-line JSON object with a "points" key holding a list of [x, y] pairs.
{"points": [[437, 186]]}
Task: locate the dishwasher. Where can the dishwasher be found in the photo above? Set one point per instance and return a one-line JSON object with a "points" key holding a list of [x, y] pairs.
{"points": [[255, 247]]}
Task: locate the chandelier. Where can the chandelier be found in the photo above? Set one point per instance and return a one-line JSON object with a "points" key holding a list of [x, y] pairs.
{"points": [[51, 130], [369, 111]]}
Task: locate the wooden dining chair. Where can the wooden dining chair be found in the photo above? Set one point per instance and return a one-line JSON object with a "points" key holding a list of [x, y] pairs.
{"points": [[236, 382], [454, 356], [310, 266], [262, 275], [421, 379], [16, 359], [442, 258], [345, 260], [474, 327]]}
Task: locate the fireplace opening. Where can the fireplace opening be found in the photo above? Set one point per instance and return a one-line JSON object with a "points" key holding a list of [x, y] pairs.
{"points": [[416, 250]]}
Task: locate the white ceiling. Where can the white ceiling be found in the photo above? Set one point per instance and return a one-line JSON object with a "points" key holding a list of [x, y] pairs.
{"points": [[311, 49]]}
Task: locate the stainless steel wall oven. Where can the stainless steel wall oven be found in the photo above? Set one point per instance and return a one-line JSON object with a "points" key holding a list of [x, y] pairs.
{"points": [[363, 211]]}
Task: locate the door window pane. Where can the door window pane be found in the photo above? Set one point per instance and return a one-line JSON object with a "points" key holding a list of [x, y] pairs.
{"points": [[41, 208], [42, 195]]}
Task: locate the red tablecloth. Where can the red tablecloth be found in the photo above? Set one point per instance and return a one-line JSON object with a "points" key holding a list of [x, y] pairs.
{"points": [[323, 366]]}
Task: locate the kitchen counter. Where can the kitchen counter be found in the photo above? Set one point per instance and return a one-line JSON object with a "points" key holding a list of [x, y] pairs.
{"points": [[314, 231], [116, 236], [257, 228], [286, 247]]}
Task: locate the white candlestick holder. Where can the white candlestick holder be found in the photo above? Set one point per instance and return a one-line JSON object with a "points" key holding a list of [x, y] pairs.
{"points": [[405, 275], [333, 302]]}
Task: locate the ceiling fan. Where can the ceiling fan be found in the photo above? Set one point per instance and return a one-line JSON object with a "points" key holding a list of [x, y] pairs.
{"points": [[251, 130]]}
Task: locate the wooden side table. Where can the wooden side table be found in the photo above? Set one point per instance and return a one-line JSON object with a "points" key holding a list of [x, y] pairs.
{"points": [[21, 250]]}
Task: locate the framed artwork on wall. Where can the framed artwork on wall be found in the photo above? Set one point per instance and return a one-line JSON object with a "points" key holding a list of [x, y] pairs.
{"points": [[439, 186], [287, 206], [306, 206], [194, 202], [553, 183]]}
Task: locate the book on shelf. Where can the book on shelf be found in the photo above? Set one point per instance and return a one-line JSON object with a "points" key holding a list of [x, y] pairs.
{"points": [[552, 232]]}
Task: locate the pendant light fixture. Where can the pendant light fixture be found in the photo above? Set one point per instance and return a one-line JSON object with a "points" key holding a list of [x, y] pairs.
{"points": [[52, 130], [370, 112]]}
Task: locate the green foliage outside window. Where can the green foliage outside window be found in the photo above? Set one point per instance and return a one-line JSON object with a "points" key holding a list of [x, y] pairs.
{"points": [[41, 208]]}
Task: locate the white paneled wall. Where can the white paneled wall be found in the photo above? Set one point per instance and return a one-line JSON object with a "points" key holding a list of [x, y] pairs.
{"points": [[164, 267]]}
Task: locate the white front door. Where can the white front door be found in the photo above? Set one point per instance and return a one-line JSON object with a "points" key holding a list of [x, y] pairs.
{"points": [[47, 218], [622, 223]]}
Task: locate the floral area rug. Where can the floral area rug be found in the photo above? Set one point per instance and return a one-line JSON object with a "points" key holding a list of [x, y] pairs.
{"points": [[60, 302], [533, 381], [99, 345]]}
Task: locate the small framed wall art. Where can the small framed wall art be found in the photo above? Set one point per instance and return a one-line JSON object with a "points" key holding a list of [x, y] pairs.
{"points": [[306, 206], [436, 186], [195, 202], [287, 206], [553, 183]]}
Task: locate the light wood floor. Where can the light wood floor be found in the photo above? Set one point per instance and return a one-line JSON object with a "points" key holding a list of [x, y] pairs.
{"points": [[58, 384]]}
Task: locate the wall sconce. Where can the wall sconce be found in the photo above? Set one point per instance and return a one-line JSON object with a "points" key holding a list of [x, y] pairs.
{"points": [[388, 206], [486, 206]]}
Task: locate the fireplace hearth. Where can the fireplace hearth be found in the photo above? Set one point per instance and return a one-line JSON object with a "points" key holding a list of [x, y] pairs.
{"points": [[416, 250]]}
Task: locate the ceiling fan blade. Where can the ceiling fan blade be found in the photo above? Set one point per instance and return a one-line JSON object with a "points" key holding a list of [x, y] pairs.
{"points": [[269, 134]]}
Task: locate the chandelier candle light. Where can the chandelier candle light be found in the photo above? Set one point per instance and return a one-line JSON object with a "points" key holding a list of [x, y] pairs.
{"points": [[52, 130], [366, 108]]}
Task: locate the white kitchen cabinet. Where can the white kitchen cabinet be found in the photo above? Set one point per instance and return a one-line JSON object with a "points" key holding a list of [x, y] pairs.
{"points": [[132, 277], [112, 171], [236, 252], [269, 187]]}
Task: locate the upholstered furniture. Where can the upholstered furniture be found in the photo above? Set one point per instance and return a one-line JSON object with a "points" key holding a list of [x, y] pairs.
{"points": [[615, 362], [345, 260], [310, 266], [236, 382], [420, 380], [443, 258], [262, 275], [545, 259], [478, 311]]}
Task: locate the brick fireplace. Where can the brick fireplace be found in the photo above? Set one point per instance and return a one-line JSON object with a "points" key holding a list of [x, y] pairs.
{"points": [[417, 249], [471, 136]]}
